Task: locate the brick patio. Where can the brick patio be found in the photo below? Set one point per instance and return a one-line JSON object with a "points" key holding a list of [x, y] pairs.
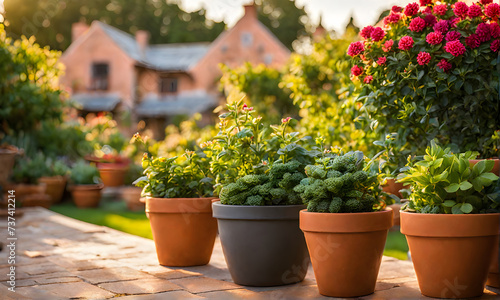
{"points": [[61, 258]]}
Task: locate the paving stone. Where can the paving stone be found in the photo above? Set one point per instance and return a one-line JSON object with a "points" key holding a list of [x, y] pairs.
{"points": [[77, 290], [209, 271], [140, 286], [175, 274], [21, 283], [41, 269], [204, 284], [231, 294], [30, 293], [111, 275], [42, 281], [161, 296]]}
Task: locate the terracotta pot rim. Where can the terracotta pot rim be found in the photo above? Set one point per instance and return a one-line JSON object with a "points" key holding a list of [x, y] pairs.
{"points": [[112, 166], [248, 212], [346, 222], [449, 225], [98, 186], [177, 205]]}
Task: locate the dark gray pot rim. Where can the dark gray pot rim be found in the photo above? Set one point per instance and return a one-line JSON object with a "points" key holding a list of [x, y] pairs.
{"points": [[247, 212]]}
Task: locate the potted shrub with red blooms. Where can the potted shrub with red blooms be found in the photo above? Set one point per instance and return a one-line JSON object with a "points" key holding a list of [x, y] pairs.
{"points": [[432, 71], [177, 193]]}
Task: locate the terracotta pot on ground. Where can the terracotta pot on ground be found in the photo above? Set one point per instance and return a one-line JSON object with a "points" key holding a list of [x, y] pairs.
{"points": [[346, 250], [30, 195], [55, 187], [86, 195], [112, 174], [183, 230], [132, 196], [263, 245], [393, 187], [7, 159], [396, 217], [451, 254]]}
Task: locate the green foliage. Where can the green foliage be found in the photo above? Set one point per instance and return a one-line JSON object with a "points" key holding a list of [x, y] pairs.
{"points": [[443, 182], [29, 94], [28, 170], [418, 101], [84, 173], [340, 184], [261, 86], [133, 173], [187, 176]]}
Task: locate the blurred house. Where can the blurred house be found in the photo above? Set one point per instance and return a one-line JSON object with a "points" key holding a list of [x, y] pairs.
{"points": [[110, 70]]}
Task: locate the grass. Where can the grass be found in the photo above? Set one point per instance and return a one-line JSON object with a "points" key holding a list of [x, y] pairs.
{"points": [[114, 214]]}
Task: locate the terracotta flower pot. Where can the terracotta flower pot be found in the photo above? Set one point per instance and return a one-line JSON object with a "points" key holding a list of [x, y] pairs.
{"points": [[393, 187], [112, 175], [451, 254], [7, 159], [346, 250], [86, 195], [30, 195], [183, 230], [263, 245], [132, 196], [55, 187]]}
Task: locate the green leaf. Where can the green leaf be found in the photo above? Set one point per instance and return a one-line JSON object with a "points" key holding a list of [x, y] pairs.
{"points": [[465, 185], [449, 203], [452, 188], [456, 210], [466, 208]]}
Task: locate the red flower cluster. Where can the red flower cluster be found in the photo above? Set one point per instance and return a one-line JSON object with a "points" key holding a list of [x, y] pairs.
{"points": [[425, 2], [356, 70], [495, 45], [495, 30], [366, 32], [455, 48], [430, 20], [368, 79], [444, 65], [453, 36], [406, 43], [388, 46], [392, 19], [442, 26], [484, 32], [492, 10], [441, 9], [434, 38], [484, 2], [475, 11], [411, 9], [417, 24], [473, 41], [461, 9], [396, 9], [355, 49], [381, 60], [423, 58], [377, 34]]}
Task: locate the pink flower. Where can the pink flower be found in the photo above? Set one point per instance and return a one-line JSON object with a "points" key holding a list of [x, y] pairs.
{"points": [[423, 58], [495, 45], [453, 22], [492, 10], [473, 41], [406, 43], [441, 26], [356, 70], [475, 11], [392, 19], [377, 34], [484, 32], [368, 79], [455, 48], [396, 9], [425, 2], [366, 32], [417, 24], [381, 60], [434, 38], [444, 65], [495, 30], [286, 120], [440, 9], [426, 11], [355, 48], [430, 20], [388, 46], [411, 9], [461, 9], [453, 36], [484, 2]]}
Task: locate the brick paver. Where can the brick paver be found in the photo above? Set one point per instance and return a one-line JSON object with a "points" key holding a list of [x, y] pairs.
{"points": [[61, 258]]}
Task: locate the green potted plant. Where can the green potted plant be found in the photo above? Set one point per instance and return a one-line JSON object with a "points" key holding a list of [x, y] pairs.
{"points": [[432, 72], [112, 166], [177, 193], [55, 177], [256, 169], [130, 193], [345, 224], [451, 222], [86, 185], [25, 175]]}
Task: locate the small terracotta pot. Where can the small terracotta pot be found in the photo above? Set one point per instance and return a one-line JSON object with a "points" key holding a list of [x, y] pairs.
{"points": [[132, 196], [112, 175], [183, 230], [86, 195], [451, 254], [55, 187], [30, 195], [393, 187], [346, 250]]}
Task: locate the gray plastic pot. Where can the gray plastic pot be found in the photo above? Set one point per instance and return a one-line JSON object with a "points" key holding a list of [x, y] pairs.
{"points": [[263, 245]]}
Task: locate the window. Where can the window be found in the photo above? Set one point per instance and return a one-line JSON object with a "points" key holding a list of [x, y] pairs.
{"points": [[246, 39], [168, 85], [100, 76]]}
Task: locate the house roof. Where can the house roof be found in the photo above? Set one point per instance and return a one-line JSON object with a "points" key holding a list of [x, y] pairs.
{"points": [[96, 101], [167, 57], [186, 103]]}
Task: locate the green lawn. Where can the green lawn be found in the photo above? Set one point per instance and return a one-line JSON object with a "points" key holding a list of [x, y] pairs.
{"points": [[115, 215]]}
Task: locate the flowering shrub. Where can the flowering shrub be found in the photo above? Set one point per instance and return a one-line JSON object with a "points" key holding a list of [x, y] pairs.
{"points": [[431, 72]]}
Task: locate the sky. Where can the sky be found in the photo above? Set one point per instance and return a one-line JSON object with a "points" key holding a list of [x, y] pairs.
{"points": [[335, 13]]}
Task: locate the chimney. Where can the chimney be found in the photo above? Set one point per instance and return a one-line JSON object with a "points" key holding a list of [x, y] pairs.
{"points": [[250, 11], [320, 31], [142, 39], [77, 30]]}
